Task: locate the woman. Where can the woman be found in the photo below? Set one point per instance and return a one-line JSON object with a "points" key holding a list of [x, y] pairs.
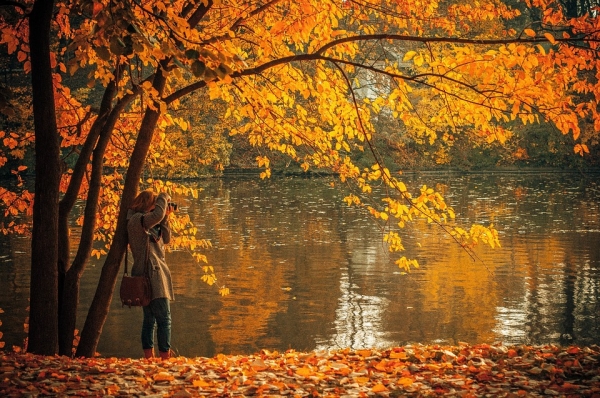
{"points": [[148, 230]]}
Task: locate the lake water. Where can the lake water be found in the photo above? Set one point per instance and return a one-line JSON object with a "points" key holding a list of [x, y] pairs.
{"points": [[308, 272]]}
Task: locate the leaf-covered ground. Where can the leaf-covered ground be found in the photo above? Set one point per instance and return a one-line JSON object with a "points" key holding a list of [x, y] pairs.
{"points": [[416, 370]]}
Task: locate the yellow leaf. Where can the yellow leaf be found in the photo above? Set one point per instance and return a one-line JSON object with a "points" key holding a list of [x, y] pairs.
{"points": [[409, 55], [529, 32], [541, 48]]}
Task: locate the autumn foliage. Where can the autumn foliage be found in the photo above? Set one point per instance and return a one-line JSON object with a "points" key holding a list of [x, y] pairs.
{"points": [[414, 370], [309, 79]]}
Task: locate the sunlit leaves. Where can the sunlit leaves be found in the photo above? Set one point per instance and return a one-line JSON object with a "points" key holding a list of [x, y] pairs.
{"points": [[15, 204], [394, 241], [210, 279], [487, 235], [288, 78], [581, 149]]}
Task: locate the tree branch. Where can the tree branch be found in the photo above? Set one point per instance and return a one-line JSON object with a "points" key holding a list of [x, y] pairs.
{"points": [[10, 3], [200, 12], [239, 22]]}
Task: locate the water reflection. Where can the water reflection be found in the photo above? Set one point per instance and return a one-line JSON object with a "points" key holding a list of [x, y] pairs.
{"points": [[307, 272]]}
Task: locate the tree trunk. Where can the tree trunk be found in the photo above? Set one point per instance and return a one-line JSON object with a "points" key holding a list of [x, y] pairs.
{"points": [[43, 322], [68, 314], [69, 276], [66, 310], [67, 318], [90, 335], [70, 294]]}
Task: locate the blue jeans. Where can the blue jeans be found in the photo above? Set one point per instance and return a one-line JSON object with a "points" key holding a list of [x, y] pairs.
{"points": [[158, 312]]}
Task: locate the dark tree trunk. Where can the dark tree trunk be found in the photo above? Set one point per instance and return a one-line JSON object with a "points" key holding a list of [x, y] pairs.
{"points": [[90, 335], [68, 287], [68, 312], [70, 294], [43, 321], [68, 315], [70, 275]]}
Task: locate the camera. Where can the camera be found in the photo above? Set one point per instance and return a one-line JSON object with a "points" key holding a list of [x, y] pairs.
{"points": [[173, 206]]}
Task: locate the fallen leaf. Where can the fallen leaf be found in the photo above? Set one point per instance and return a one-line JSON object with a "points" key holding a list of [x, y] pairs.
{"points": [[163, 376]]}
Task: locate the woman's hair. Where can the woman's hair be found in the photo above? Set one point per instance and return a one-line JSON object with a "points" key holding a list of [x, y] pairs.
{"points": [[143, 202]]}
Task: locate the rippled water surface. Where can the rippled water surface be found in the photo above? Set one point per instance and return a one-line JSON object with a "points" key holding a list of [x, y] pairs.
{"points": [[307, 272]]}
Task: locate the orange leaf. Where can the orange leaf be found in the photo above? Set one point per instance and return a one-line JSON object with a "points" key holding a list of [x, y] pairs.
{"points": [[569, 386], [163, 376], [398, 355], [200, 383], [364, 353], [304, 372], [258, 365], [405, 381], [379, 388], [97, 8], [550, 38]]}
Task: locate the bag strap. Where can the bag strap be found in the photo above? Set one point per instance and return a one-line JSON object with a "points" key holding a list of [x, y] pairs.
{"points": [[126, 261], [146, 270], [126, 252]]}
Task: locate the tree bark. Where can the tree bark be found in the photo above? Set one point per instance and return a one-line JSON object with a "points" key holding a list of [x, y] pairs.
{"points": [[67, 285], [98, 312], [70, 294], [68, 315], [43, 321], [70, 196]]}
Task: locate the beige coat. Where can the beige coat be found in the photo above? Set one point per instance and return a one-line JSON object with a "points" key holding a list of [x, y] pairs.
{"points": [[139, 240]]}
